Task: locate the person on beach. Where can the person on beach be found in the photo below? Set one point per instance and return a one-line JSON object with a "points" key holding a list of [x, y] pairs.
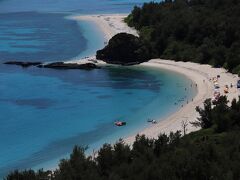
{"points": [[226, 89]]}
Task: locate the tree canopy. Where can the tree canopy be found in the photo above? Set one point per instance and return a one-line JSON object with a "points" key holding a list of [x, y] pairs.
{"points": [[203, 31]]}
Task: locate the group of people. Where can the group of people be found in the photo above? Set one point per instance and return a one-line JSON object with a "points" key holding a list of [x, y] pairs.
{"points": [[216, 93]]}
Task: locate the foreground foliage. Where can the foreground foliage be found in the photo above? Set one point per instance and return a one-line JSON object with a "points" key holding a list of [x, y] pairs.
{"points": [[203, 31], [211, 153]]}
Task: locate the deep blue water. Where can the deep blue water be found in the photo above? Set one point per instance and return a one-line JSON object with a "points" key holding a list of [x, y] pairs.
{"points": [[32, 36], [44, 112], [79, 6]]}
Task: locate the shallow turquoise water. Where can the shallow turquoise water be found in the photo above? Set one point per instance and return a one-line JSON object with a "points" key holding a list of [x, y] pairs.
{"points": [[43, 112], [46, 115]]}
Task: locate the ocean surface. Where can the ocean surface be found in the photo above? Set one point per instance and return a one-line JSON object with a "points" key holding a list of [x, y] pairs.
{"points": [[45, 112]]}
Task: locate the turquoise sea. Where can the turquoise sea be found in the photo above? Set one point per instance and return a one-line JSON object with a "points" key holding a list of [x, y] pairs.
{"points": [[45, 112]]}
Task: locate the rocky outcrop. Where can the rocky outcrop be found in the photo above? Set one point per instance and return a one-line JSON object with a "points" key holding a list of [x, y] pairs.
{"points": [[55, 65], [124, 49], [122, 63], [22, 63], [62, 65]]}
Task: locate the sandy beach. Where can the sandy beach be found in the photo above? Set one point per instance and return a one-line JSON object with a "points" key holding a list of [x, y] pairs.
{"points": [[112, 24], [109, 24], [200, 75]]}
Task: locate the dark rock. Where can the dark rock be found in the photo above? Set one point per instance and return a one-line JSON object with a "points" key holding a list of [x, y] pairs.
{"points": [[22, 63], [62, 65], [124, 49], [55, 65], [123, 63]]}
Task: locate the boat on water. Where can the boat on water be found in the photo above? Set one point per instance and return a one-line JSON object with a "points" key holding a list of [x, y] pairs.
{"points": [[152, 121], [149, 120], [120, 123]]}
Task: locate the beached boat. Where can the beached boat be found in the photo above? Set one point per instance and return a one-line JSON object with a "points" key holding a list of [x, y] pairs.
{"points": [[238, 84], [216, 85]]}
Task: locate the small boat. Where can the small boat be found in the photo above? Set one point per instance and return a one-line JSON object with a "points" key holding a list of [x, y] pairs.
{"points": [[152, 121], [120, 123]]}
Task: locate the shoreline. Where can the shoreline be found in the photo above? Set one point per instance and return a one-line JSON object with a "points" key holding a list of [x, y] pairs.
{"points": [[200, 75], [111, 24]]}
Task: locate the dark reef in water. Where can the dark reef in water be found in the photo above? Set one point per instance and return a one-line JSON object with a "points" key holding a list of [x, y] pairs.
{"points": [[62, 65], [54, 65], [23, 64]]}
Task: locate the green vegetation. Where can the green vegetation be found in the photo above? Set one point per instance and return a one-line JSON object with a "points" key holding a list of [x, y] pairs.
{"points": [[124, 49], [203, 31], [211, 153]]}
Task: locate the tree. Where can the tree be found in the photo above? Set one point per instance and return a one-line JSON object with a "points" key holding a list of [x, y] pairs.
{"points": [[184, 125], [220, 114], [203, 31], [205, 120]]}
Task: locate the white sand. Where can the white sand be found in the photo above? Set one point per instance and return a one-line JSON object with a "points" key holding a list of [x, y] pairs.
{"points": [[200, 75], [109, 24], [112, 24]]}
